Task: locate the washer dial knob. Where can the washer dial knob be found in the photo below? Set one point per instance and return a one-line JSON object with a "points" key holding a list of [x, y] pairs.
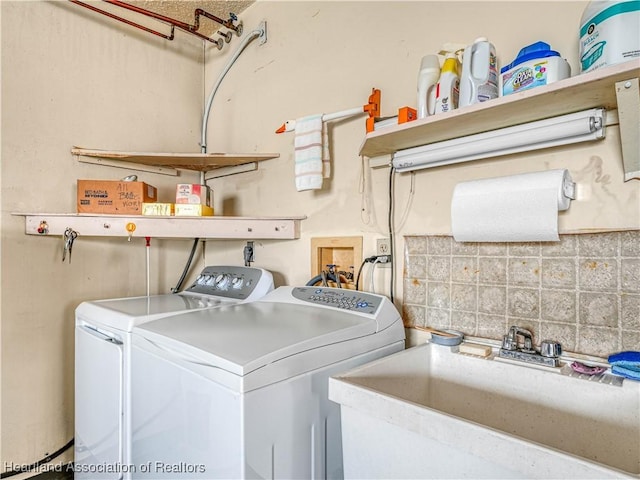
{"points": [[222, 281]]}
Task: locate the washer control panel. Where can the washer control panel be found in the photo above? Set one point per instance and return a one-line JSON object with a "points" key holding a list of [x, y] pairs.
{"points": [[229, 281], [342, 298]]}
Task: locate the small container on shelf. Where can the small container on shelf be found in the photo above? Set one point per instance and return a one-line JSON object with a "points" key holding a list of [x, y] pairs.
{"points": [[536, 65], [192, 193], [193, 210], [158, 209]]}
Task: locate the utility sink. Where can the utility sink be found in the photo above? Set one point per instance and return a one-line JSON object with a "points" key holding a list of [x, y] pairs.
{"points": [[431, 412]]}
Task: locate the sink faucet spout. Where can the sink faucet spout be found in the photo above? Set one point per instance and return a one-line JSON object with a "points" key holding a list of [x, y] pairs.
{"points": [[510, 341], [525, 351]]}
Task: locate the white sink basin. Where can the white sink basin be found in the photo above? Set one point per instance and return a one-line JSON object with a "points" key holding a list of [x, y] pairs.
{"points": [[429, 412]]}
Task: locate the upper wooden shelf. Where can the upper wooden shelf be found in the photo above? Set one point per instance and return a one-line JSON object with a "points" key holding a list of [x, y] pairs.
{"points": [[581, 92], [201, 162]]}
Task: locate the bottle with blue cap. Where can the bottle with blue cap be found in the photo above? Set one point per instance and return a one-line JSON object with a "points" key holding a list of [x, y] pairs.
{"points": [[535, 65]]}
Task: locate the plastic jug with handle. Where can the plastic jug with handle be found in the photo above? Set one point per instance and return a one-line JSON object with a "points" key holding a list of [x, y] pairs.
{"points": [[427, 78], [448, 88], [479, 79]]}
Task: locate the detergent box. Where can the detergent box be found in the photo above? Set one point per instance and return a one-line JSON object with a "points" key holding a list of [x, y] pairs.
{"points": [[191, 193], [536, 65]]}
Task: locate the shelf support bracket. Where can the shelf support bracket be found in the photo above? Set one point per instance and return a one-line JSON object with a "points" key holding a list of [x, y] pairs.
{"points": [[628, 97], [232, 170], [128, 165]]}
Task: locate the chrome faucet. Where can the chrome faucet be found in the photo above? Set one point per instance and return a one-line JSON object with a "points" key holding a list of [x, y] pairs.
{"points": [[511, 348], [510, 341]]}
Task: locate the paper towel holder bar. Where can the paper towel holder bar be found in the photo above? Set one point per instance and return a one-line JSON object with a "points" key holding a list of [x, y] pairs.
{"points": [[569, 188], [514, 208], [566, 190]]}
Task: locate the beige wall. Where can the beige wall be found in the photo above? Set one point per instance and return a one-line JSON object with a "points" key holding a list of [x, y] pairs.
{"points": [[326, 57], [69, 78]]}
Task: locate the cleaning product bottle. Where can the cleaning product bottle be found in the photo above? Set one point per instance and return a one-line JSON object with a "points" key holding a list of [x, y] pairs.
{"points": [[609, 33], [479, 79], [427, 78], [536, 65], [448, 89]]}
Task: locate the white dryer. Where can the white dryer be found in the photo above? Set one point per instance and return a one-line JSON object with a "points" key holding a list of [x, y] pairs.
{"points": [[242, 392], [103, 366]]}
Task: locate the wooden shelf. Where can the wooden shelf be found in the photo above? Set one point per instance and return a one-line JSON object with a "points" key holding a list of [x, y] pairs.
{"points": [[243, 228], [581, 92], [201, 162]]}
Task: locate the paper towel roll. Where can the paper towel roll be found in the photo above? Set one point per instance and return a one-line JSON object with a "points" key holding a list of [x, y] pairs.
{"points": [[517, 208]]}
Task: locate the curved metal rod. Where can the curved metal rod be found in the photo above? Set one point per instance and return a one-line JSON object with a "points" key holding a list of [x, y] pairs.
{"points": [[205, 118]]}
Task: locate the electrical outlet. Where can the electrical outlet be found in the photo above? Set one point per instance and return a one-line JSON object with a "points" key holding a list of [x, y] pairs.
{"points": [[247, 253], [383, 246]]}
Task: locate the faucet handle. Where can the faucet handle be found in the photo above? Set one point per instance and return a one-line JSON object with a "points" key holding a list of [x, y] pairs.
{"points": [[509, 343], [550, 348]]}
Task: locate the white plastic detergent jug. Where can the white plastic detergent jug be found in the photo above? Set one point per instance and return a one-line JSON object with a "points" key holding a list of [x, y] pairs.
{"points": [[479, 79], [427, 79], [448, 88], [609, 33]]}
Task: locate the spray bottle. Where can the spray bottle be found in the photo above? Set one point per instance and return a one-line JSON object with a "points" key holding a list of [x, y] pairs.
{"points": [[479, 80], [448, 89], [427, 78]]}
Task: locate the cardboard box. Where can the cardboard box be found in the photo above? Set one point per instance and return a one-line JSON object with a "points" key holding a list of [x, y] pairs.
{"points": [[158, 209], [192, 193], [114, 197], [190, 210]]}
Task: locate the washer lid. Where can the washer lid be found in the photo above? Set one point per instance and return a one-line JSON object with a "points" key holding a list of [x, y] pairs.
{"points": [[243, 338], [126, 313]]}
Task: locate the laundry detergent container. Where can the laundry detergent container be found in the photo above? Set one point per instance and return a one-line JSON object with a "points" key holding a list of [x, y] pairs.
{"points": [[536, 65], [609, 34]]}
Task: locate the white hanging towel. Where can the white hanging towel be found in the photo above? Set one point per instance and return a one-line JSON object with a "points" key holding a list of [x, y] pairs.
{"points": [[326, 160], [311, 153]]}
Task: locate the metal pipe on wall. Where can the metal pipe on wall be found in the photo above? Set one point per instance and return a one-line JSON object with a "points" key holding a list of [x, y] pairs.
{"points": [[124, 20], [260, 32], [193, 29]]}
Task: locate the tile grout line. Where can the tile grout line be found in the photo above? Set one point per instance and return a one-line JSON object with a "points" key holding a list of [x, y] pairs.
{"points": [[619, 288], [576, 266]]}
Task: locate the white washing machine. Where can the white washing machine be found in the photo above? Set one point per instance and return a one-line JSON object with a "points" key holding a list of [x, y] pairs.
{"points": [[103, 366], [242, 392]]}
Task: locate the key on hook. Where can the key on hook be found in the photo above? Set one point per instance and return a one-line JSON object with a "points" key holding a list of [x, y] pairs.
{"points": [[68, 238]]}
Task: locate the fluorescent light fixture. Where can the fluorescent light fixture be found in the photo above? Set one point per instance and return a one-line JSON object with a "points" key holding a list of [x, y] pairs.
{"points": [[576, 127]]}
